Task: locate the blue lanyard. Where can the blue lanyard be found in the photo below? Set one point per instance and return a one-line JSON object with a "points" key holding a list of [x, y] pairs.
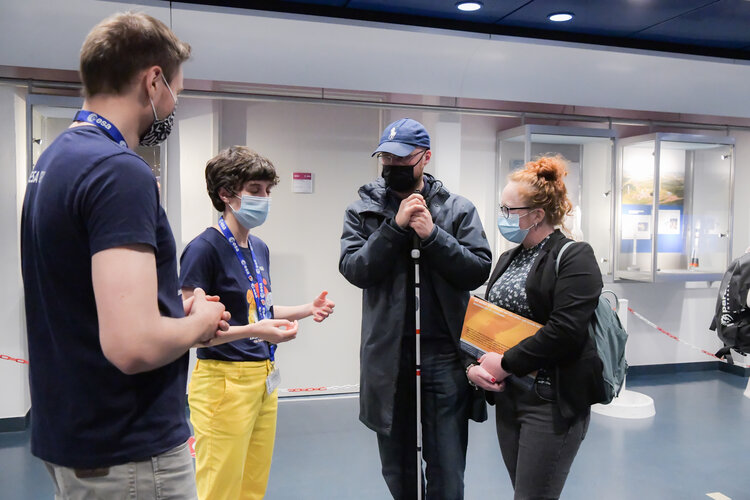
{"points": [[104, 124], [260, 294]]}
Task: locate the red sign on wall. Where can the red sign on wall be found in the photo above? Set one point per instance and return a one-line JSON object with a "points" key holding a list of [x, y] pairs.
{"points": [[302, 182]]}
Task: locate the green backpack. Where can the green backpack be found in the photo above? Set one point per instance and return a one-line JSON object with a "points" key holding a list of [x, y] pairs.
{"points": [[610, 338]]}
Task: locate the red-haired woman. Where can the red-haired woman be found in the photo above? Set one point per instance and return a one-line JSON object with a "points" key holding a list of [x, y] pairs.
{"points": [[543, 409]]}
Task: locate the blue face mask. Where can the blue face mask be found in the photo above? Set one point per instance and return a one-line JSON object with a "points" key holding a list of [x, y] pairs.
{"points": [[253, 210], [510, 228]]}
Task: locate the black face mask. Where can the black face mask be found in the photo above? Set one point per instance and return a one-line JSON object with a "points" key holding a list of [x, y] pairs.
{"points": [[400, 178]]}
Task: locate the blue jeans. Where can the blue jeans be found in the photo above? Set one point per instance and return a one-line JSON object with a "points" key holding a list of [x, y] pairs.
{"points": [[166, 476], [446, 398]]}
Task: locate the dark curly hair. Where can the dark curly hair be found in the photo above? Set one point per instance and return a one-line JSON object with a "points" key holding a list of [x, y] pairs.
{"points": [[232, 168]]}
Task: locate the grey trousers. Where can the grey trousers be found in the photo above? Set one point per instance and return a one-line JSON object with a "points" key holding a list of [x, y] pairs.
{"points": [[538, 445], [167, 476]]}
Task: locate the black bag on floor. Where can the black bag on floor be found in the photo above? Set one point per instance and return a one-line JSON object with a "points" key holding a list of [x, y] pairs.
{"points": [[732, 318]]}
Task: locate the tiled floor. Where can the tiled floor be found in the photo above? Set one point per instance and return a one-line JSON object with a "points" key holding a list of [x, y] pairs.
{"points": [[696, 444]]}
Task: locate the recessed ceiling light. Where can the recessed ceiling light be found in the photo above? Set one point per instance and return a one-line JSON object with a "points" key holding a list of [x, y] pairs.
{"points": [[560, 17], [468, 6]]}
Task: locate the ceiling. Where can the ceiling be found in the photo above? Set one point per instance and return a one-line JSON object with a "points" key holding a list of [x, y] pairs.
{"points": [[717, 28]]}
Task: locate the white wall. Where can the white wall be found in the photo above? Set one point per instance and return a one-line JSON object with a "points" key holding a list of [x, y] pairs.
{"points": [[14, 389], [267, 50], [595, 220], [741, 209], [303, 230], [478, 169], [249, 46], [49, 34], [196, 140]]}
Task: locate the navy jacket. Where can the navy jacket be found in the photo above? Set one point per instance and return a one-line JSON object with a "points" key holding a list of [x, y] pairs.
{"points": [[458, 255]]}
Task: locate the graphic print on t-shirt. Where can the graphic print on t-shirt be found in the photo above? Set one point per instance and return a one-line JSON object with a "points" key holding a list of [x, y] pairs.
{"points": [[252, 308]]}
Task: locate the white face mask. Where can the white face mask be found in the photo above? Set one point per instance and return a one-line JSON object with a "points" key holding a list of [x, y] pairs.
{"points": [[253, 211]]}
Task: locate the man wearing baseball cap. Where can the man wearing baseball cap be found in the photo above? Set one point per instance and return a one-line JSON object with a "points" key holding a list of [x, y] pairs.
{"points": [[403, 206]]}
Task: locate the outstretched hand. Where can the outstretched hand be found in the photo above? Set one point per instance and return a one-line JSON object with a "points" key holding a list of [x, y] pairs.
{"points": [[322, 307]]}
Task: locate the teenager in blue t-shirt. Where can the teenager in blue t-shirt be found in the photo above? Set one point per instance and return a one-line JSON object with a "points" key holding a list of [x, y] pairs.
{"points": [[232, 395], [107, 332]]}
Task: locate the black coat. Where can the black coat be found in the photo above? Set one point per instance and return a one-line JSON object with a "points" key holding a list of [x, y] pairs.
{"points": [[564, 304], [460, 260]]}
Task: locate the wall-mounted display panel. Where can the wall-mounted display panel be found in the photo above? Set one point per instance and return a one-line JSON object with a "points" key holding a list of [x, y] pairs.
{"points": [[674, 206], [590, 154]]}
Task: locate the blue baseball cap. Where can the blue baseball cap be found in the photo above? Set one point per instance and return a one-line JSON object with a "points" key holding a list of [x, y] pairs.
{"points": [[401, 137]]}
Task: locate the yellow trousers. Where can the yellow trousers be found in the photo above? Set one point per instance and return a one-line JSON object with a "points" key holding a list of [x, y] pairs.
{"points": [[234, 420]]}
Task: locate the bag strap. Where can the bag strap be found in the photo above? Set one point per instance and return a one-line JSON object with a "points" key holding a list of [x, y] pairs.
{"points": [[616, 306], [557, 268], [559, 256]]}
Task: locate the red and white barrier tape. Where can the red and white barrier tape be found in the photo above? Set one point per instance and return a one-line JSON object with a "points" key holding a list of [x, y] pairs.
{"points": [[343, 388], [355, 387], [678, 339], [11, 358], [337, 388]]}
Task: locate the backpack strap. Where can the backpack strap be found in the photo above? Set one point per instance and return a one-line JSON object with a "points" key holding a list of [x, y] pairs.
{"points": [[559, 256]]}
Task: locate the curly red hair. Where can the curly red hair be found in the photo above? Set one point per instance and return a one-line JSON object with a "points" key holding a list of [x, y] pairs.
{"points": [[542, 184]]}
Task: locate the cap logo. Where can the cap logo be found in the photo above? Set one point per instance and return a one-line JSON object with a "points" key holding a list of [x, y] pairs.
{"points": [[392, 134]]}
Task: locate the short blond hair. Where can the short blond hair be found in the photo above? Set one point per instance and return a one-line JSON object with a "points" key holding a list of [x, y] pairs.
{"points": [[124, 44]]}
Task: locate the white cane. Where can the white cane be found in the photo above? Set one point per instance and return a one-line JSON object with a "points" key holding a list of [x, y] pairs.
{"points": [[415, 256]]}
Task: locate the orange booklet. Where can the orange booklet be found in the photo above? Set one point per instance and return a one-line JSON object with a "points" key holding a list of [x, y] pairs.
{"points": [[489, 328]]}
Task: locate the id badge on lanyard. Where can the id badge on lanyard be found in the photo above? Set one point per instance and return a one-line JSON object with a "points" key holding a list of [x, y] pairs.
{"points": [[273, 379]]}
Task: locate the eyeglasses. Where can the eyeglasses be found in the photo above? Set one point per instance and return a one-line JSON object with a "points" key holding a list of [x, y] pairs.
{"points": [[388, 159], [505, 210]]}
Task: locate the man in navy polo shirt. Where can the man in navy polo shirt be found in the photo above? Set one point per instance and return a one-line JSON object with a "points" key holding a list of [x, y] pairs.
{"points": [[108, 334]]}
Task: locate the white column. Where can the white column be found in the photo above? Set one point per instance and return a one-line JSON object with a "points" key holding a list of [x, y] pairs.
{"points": [[446, 150], [196, 142], [191, 144], [14, 390]]}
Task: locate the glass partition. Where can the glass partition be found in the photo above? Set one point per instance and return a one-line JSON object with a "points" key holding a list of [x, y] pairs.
{"points": [[589, 182], [674, 202]]}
